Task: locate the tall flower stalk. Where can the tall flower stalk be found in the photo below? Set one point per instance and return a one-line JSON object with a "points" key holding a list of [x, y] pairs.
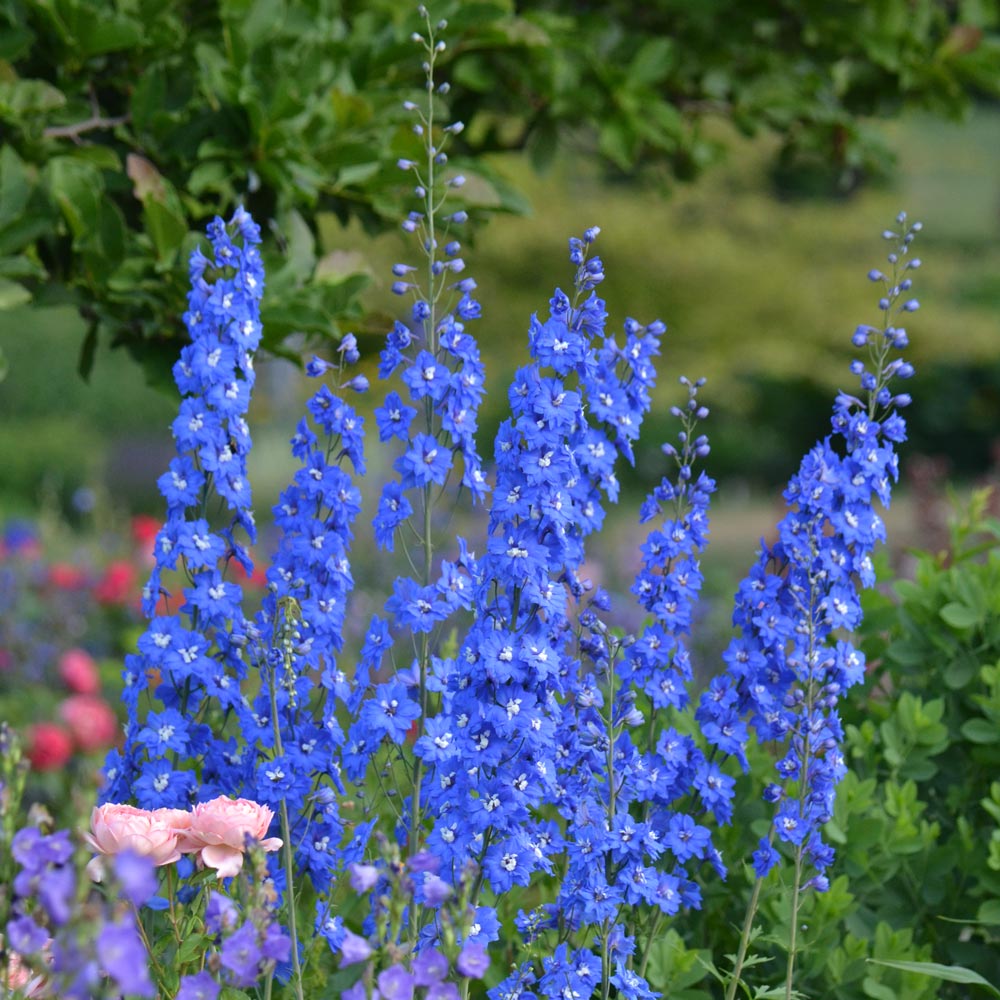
{"points": [[789, 664], [443, 378], [190, 664]]}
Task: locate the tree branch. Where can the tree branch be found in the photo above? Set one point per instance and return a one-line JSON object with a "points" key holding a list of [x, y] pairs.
{"points": [[79, 128]]}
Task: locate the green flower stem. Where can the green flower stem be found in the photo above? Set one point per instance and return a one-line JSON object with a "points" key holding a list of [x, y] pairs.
{"points": [[286, 831], [741, 952], [792, 935], [430, 325], [171, 892], [158, 971], [803, 781]]}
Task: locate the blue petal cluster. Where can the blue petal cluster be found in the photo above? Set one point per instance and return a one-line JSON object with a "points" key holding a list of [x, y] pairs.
{"points": [[190, 658], [299, 631], [636, 839], [499, 748], [789, 663], [438, 363]]}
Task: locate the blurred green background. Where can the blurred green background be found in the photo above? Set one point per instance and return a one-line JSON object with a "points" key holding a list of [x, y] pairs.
{"points": [[741, 159], [760, 292]]}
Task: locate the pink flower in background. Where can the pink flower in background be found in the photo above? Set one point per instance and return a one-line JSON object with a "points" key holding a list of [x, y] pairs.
{"points": [[115, 828], [117, 583], [64, 576], [49, 746], [220, 829], [90, 721], [20, 977], [79, 672], [144, 531]]}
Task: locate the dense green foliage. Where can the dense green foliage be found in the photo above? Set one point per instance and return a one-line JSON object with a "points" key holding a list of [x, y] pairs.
{"points": [[926, 748], [126, 124], [917, 819]]}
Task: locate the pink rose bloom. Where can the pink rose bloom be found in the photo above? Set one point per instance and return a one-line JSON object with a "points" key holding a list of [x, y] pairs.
{"points": [[79, 672], [116, 828], [220, 829], [176, 819]]}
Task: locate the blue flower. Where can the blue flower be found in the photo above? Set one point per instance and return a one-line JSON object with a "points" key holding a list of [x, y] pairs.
{"points": [[394, 418], [199, 671], [787, 668], [426, 461]]}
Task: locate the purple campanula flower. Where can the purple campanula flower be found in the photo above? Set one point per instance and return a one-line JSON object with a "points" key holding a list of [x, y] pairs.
{"points": [[429, 967], [473, 960], [241, 955], [395, 983], [354, 949], [122, 955], [200, 986]]}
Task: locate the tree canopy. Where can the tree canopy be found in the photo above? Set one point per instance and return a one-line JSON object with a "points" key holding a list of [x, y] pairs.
{"points": [[127, 124]]}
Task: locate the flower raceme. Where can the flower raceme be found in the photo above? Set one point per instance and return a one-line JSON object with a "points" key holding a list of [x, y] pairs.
{"points": [[195, 653], [216, 832], [789, 664]]}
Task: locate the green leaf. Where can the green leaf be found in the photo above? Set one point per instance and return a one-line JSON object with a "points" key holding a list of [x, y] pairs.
{"points": [[12, 294], [653, 62], [104, 247], [907, 653], [163, 218], [341, 298], [15, 186], [873, 988], [543, 143], [76, 187], [166, 228], [261, 21], [949, 973], [980, 731], [85, 362], [989, 912], [20, 266], [299, 256], [962, 669], [357, 173], [960, 615], [21, 99], [97, 35], [191, 948]]}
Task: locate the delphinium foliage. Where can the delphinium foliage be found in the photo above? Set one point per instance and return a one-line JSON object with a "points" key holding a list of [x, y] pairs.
{"points": [[500, 761]]}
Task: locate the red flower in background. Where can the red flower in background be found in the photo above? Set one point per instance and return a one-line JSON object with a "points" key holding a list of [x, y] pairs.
{"points": [[90, 721], [144, 532], [66, 576], [49, 746], [257, 579], [117, 583], [79, 672]]}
